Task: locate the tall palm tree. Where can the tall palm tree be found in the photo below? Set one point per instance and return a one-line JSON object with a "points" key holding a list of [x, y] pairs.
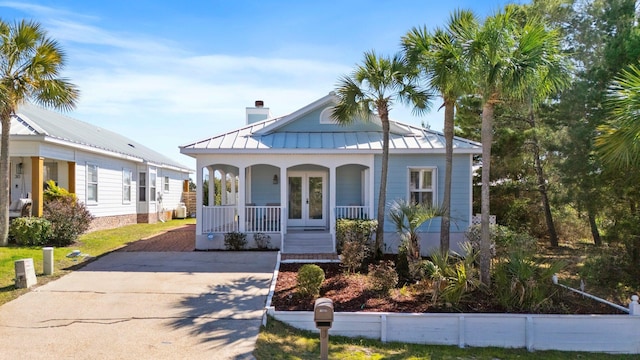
{"points": [[619, 141], [371, 91], [505, 53], [440, 57], [30, 65]]}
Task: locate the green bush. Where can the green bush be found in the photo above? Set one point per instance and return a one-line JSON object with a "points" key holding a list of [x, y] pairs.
{"points": [[54, 191], [262, 240], [453, 275], [69, 219], [235, 240], [353, 255], [402, 264], [31, 231], [309, 280], [503, 240], [358, 230], [383, 276]]}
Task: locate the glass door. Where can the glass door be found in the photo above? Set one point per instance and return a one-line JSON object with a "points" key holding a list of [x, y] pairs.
{"points": [[307, 199]]}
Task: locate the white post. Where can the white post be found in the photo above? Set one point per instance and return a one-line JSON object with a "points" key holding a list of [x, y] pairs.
{"points": [[634, 307], [383, 328], [47, 260], [242, 188]]}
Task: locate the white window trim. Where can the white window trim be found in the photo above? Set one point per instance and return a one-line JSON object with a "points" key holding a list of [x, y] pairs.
{"points": [[153, 188], [434, 181], [87, 183], [166, 183], [124, 171], [325, 117]]}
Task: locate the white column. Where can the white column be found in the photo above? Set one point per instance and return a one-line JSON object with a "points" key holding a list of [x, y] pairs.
{"points": [[233, 186], [199, 198], [242, 186], [223, 188], [332, 205], [212, 186], [373, 213]]}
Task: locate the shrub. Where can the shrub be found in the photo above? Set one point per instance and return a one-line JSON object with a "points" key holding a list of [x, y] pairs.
{"points": [[54, 191], [309, 280], [354, 230], [503, 240], [31, 231], [69, 219], [235, 240], [383, 276], [453, 276], [402, 264], [522, 283], [263, 241], [353, 255]]}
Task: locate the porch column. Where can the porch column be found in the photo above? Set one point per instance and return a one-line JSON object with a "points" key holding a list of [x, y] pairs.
{"points": [[212, 186], [332, 205], [242, 175], [242, 188], [373, 210], [223, 188], [284, 214], [37, 181], [71, 174], [199, 198]]}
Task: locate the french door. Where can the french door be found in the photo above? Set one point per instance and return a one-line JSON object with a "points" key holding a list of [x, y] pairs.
{"points": [[307, 199]]}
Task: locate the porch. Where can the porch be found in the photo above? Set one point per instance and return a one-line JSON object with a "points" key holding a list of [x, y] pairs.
{"points": [[271, 220]]}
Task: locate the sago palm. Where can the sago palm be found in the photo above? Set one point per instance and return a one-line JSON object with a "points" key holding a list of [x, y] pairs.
{"points": [[370, 92], [440, 57], [30, 65]]}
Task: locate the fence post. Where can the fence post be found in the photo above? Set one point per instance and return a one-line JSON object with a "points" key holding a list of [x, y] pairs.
{"points": [[634, 307]]}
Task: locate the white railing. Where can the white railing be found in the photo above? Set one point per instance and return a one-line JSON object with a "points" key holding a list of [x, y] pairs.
{"points": [[265, 219], [219, 219], [352, 212]]}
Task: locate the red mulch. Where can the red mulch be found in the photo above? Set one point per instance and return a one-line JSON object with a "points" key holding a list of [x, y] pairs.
{"points": [[350, 294], [178, 239]]}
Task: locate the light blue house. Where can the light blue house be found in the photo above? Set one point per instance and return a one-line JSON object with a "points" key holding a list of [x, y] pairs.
{"points": [[291, 177]]}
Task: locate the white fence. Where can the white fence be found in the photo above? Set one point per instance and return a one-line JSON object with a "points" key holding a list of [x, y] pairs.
{"points": [[352, 212], [219, 219], [592, 333]]}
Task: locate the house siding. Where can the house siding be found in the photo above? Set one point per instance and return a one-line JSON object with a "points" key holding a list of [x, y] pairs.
{"points": [[263, 190], [349, 185], [310, 122]]}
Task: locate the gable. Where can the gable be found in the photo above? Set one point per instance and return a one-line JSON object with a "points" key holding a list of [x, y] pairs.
{"points": [[316, 121]]}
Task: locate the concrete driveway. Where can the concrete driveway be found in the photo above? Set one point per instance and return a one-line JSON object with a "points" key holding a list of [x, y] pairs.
{"points": [[144, 305]]}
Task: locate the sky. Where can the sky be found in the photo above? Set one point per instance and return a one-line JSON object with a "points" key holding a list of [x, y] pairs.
{"points": [[169, 73]]}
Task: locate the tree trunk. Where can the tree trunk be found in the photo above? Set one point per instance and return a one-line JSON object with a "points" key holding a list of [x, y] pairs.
{"points": [[542, 185], [382, 196], [594, 227], [4, 179], [485, 239], [445, 225]]}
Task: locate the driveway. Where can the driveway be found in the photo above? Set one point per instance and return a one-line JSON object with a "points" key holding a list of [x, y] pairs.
{"points": [[144, 305]]}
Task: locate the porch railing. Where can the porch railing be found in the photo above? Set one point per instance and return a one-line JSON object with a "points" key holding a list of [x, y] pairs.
{"points": [[263, 218], [219, 219], [352, 212]]}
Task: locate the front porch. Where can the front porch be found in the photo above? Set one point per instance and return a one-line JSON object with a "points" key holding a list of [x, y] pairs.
{"points": [[295, 199], [271, 220]]}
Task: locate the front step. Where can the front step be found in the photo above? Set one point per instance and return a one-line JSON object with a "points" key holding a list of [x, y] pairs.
{"points": [[308, 243]]}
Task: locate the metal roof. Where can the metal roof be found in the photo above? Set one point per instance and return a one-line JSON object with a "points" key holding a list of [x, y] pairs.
{"points": [[268, 135], [32, 120]]}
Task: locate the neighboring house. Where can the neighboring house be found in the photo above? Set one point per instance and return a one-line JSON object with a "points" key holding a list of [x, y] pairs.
{"points": [[292, 177], [119, 180]]}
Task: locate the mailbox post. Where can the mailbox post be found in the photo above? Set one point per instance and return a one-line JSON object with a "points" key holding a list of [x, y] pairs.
{"points": [[323, 317]]}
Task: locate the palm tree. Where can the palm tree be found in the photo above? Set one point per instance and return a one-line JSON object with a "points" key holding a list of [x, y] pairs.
{"points": [[408, 217], [619, 141], [371, 91], [440, 57], [505, 53], [30, 65]]}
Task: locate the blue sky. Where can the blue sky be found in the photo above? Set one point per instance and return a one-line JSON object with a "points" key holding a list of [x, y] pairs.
{"points": [[168, 73]]}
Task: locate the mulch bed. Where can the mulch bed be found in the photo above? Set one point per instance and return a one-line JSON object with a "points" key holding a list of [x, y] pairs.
{"points": [[350, 294]]}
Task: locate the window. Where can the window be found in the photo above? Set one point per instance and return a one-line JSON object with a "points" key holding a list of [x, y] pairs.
{"points": [[92, 183], [325, 116], [142, 186], [50, 171], [422, 185], [126, 185], [166, 184], [152, 186]]}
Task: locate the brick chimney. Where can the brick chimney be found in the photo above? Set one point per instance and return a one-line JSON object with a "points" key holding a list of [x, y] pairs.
{"points": [[257, 113]]}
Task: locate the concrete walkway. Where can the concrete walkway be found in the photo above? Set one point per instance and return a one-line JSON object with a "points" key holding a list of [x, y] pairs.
{"points": [[144, 305]]}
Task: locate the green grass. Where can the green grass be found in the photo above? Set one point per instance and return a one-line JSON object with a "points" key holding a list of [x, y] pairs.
{"points": [[279, 341], [93, 244]]}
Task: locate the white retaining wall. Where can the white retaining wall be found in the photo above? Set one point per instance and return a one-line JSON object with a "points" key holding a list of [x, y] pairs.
{"points": [[592, 333]]}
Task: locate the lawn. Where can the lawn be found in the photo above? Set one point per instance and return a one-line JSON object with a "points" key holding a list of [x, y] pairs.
{"points": [[279, 341], [92, 244]]}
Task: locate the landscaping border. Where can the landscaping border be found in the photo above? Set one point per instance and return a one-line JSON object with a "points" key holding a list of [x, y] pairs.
{"points": [[592, 333]]}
